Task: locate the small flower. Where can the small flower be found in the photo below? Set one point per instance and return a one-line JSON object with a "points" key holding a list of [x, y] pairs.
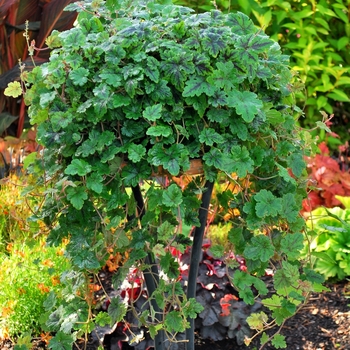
{"points": [[43, 289]]}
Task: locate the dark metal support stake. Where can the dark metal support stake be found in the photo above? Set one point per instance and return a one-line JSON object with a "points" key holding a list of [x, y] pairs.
{"points": [[151, 274], [195, 256]]}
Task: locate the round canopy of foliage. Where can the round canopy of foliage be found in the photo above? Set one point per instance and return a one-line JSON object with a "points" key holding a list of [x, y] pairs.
{"points": [[134, 90], [126, 92]]}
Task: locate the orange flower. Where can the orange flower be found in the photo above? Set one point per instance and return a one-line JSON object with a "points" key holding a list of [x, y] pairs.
{"points": [[48, 263], [94, 287], [45, 337], [55, 280], [9, 247], [60, 252], [43, 289]]}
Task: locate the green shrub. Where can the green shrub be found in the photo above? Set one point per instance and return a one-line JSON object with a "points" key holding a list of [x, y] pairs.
{"points": [[330, 240], [122, 99]]}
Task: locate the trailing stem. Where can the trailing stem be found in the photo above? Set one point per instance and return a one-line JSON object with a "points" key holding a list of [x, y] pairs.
{"points": [[151, 273], [196, 254]]}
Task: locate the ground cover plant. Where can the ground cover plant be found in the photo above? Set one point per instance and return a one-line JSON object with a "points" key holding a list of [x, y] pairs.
{"points": [[129, 99], [28, 273], [329, 240]]}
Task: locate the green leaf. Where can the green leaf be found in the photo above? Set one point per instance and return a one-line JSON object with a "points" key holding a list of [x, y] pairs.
{"points": [[260, 248], [78, 166], [121, 238], [119, 100], [191, 308], [94, 182], [153, 330], [226, 76], [166, 230], [159, 130], [218, 251], [297, 163], [172, 196], [152, 113], [82, 255], [286, 277], [174, 322], [247, 295], [240, 23], [73, 38], [46, 98], [254, 42], [313, 276], [289, 306], [292, 244], [176, 66], [240, 129], [338, 95], [242, 162], [103, 319], [278, 341], [133, 173], [267, 204], [151, 70], [246, 104], [171, 158], [77, 196], [209, 136], [61, 341], [79, 76], [280, 315], [264, 339], [257, 321], [21, 347], [29, 159], [196, 86], [216, 159], [136, 152], [13, 89], [212, 41], [111, 78], [169, 266], [116, 310]]}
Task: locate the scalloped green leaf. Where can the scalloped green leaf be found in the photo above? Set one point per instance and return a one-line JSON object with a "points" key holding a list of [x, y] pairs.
{"points": [[152, 113], [79, 76], [267, 204], [246, 104], [78, 167], [260, 248], [196, 86]]}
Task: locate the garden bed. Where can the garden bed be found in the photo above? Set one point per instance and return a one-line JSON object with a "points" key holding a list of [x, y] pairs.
{"points": [[323, 324]]}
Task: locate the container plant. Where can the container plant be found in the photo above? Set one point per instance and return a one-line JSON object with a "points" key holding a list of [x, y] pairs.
{"points": [[129, 98]]}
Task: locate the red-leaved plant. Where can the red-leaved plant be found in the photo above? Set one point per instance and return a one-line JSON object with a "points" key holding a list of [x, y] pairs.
{"points": [[328, 177]]}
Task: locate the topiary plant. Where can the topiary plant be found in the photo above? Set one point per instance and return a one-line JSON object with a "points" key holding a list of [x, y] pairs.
{"points": [[129, 98]]}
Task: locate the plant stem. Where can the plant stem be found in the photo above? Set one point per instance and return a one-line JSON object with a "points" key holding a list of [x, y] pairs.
{"points": [[196, 255], [151, 274]]}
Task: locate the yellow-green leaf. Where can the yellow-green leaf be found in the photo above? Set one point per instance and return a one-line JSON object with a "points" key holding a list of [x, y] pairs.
{"points": [[13, 89]]}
